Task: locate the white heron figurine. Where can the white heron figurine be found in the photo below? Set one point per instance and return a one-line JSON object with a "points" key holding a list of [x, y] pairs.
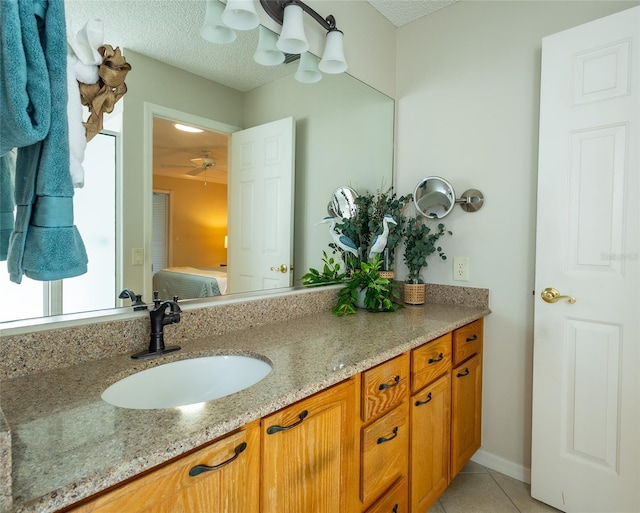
{"points": [[340, 240], [380, 241]]}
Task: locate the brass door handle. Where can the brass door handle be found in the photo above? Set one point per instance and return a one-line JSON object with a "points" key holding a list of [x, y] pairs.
{"points": [[282, 268], [551, 295]]}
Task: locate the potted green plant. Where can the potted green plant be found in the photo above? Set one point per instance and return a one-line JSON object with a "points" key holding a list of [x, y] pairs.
{"points": [[420, 243], [367, 289], [331, 273]]}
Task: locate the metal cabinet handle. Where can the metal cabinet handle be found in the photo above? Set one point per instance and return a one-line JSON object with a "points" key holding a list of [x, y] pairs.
{"points": [[384, 386], [471, 339], [382, 439], [281, 268], [438, 359], [427, 400], [395, 508], [276, 429], [464, 373], [199, 469], [551, 295]]}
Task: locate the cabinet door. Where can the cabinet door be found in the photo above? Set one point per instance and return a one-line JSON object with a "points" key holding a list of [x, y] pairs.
{"points": [[205, 480], [385, 453], [466, 418], [430, 443], [309, 454]]}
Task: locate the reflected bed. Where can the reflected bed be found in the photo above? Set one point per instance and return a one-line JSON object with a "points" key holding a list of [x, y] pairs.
{"points": [[189, 282]]}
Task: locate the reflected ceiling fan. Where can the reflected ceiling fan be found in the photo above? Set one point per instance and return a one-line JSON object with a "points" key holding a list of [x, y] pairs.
{"points": [[198, 165], [202, 164]]}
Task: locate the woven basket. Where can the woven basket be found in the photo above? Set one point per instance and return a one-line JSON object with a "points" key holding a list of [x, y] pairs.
{"points": [[414, 293], [389, 275]]}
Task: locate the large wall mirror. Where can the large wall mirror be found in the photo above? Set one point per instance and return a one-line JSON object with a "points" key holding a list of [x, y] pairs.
{"points": [[343, 136]]}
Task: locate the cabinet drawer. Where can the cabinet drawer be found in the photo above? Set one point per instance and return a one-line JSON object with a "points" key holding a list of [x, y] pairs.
{"points": [[187, 485], [430, 361], [467, 341], [385, 452], [394, 501], [384, 387]]}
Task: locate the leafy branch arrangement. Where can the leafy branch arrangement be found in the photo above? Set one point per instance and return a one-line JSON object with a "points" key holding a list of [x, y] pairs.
{"points": [[379, 293], [420, 243]]}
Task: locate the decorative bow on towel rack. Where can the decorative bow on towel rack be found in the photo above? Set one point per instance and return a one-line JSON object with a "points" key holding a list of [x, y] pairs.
{"points": [[102, 96]]}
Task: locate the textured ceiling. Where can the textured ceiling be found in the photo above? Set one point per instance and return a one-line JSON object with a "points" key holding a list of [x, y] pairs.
{"points": [[168, 31], [401, 12]]}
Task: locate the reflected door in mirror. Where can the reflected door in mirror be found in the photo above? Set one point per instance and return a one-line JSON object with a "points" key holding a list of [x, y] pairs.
{"points": [[261, 207]]}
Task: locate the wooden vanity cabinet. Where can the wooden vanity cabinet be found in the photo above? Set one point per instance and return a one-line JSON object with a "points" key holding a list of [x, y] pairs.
{"points": [[430, 422], [466, 394], [222, 476], [309, 454], [419, 423]]}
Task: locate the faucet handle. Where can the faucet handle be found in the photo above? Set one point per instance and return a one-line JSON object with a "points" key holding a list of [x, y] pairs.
{"points": [[156, 298], [138, 304]]}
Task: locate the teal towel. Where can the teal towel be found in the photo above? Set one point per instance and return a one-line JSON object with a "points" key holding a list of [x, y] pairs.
{"points": [[7, 167], [25, 91], [45, 244]]}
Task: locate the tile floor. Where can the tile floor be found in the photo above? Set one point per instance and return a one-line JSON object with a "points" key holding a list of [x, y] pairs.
{"points": [[477, 489]]}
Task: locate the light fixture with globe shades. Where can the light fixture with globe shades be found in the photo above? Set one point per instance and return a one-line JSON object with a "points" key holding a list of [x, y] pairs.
{"points": [[221, 21]]}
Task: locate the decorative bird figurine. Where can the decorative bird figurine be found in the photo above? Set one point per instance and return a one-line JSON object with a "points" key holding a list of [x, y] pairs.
{"points": [[380, 241], [340, 240]]}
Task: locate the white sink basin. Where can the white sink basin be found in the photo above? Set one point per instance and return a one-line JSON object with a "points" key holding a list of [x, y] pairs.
{"points": [[186, 382]]}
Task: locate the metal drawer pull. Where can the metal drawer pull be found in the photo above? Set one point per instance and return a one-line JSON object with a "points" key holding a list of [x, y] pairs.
{"points": [[382, 439], [395, 509], [277, 429], [438, 359], [384, 386], [463, 374], [427, 400], [471, 339], [199, 469]]}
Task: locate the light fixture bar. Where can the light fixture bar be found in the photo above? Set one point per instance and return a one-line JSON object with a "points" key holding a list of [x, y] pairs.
{"points": [[275, 9]]}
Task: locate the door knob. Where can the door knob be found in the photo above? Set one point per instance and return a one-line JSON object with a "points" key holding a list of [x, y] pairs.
{"points": [[282, 268], [551, 295]]}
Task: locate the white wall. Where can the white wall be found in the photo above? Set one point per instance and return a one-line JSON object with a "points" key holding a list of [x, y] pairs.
{"points": [[467, 90]]}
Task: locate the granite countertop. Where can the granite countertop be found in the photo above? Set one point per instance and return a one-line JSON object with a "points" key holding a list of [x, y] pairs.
{"points": [[67, 443]]}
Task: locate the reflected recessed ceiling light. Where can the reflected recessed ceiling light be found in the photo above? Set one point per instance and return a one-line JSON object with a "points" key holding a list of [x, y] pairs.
{"points": [[186, 128]]}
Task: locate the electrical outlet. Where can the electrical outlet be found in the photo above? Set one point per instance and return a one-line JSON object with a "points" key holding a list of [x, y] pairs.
{"points": [[137, 256], [461, 268]]}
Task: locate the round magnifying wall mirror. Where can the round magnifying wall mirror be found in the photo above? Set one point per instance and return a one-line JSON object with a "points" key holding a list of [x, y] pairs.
{"points": [[434, 197], [343, 203]]}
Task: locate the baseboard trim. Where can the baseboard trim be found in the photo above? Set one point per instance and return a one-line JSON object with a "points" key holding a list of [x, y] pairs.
{"points": [[506, 467]]}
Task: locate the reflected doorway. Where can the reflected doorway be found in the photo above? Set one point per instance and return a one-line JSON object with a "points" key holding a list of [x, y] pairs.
{"points": [[189, 224]]}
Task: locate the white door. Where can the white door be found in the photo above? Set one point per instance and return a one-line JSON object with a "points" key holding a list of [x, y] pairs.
{"points": [[261, 187], [586, 391]]}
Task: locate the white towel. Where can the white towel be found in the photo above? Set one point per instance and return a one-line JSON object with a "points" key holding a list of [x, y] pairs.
{"points": [[83, 61]]}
